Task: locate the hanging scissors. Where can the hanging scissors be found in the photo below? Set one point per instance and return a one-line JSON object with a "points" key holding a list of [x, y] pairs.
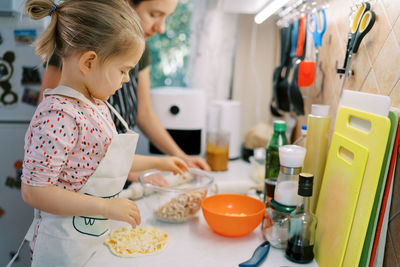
{"points": [[317, 22], [318, 18], [362, 24]]}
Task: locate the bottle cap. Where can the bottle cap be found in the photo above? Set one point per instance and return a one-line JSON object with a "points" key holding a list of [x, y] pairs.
{"points": [[304, 129], [279, 126], [305, 184], [320, 110], [291, 156]]}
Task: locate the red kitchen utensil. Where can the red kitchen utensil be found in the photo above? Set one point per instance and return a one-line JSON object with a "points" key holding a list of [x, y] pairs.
{"points": [[301, 36], [306, 75]]}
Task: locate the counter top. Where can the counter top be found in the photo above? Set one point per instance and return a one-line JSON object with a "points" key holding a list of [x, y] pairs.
{"points": [[193, 243]]}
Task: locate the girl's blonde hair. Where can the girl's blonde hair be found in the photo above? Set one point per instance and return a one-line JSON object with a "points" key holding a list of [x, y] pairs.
{"points": [[107, 27]]}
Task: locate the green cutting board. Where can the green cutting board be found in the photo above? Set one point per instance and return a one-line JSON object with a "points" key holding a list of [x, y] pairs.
{"points": [[338, 198], [369, 239], [372, 131]]}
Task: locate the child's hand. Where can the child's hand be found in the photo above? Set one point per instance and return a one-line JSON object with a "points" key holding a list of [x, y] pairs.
{"points": [[156, 179], [172, 164], [121, 209]]}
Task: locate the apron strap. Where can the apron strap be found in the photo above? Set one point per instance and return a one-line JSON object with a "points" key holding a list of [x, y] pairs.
{"points": [[118, 116], [67, 91]]}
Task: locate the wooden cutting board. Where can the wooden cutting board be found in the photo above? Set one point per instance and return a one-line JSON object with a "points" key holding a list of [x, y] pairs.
{"points": [[338, 198]]}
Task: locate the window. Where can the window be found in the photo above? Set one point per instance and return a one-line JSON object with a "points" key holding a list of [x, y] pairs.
{"points": [[170, 51]]}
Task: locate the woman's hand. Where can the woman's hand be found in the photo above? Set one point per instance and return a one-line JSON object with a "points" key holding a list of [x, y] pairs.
{"points": [[172, 164], [196, 162], [121, 209]]}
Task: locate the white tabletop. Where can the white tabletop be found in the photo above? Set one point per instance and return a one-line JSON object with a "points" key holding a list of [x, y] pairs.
{"points": [[194, 244]]}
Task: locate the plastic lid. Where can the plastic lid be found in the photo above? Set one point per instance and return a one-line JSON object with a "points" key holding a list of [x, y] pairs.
{"points": [[279, 126], [305, 184], [320, 110], [291, 156]]}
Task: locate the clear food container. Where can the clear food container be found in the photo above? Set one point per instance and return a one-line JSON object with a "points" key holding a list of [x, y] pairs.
{"points": [[182, 199]]}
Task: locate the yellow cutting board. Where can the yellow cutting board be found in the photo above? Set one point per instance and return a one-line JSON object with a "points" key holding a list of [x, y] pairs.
{"points": [[339, 193], [371, 131], [375, 138]]}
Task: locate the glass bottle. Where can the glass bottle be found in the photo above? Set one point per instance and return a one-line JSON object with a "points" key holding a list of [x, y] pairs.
{"points": [[317, 145], [302, 224], [272, 164], [301, 141]]}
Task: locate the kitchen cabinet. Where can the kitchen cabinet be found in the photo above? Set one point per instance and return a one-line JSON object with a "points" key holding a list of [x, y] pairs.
{"points": [[193, 243]]}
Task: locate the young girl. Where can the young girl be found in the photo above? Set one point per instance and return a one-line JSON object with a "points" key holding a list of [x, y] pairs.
{"points": [[133, 99], [75, 162]]}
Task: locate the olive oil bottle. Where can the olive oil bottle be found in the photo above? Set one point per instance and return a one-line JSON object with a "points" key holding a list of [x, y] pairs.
{"points": [[272, 164]]}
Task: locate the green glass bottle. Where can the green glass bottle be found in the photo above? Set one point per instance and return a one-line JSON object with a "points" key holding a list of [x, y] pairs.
{"points": [[272, 164]]}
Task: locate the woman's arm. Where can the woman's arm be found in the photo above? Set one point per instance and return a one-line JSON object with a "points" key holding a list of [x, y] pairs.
{"points": [[173, 164], [51, 78], [151, 126], [55, 200]]}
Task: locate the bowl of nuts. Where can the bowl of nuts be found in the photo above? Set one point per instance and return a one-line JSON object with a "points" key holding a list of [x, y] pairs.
{"points": [[181, 200]]}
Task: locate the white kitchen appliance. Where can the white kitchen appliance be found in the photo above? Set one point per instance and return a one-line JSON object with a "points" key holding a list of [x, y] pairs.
{"points": [[20, 81], [10, 7], [182, 111], [228, 121]]}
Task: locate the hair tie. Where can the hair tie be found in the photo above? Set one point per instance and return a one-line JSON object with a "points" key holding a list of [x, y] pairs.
{"points": [[54, 7]]}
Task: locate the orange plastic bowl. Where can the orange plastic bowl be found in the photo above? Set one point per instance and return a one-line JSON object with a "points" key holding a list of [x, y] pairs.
{"points": [[232, 215]]}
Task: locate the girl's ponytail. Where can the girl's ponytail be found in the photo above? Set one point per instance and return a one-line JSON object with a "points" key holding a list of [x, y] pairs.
{"points": [[37, 9], [107, 27]]}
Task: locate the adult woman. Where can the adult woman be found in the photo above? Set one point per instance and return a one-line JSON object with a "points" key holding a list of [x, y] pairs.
{"points": [[133, 100]]}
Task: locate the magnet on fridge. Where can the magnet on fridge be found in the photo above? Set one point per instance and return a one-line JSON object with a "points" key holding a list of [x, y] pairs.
{"points": [[31, 96], [15, 181], [24, 36], [30, 75], [8, 97]]}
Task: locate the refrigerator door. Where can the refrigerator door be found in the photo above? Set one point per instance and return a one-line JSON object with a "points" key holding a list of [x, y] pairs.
{"points": [[17, 216], [20, 69]]}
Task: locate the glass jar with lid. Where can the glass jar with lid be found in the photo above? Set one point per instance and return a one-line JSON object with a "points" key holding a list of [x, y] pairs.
{"points": [[291, 158], [276, 220]]}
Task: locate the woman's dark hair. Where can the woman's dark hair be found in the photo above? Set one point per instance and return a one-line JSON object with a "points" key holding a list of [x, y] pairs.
{"points": [[135, 3]]}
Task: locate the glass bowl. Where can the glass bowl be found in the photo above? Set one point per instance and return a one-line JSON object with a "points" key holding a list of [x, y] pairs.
{"points": [[182, 200]]}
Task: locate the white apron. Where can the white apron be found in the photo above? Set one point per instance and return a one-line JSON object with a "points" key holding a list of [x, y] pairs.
{"points": [[72, 241]]}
